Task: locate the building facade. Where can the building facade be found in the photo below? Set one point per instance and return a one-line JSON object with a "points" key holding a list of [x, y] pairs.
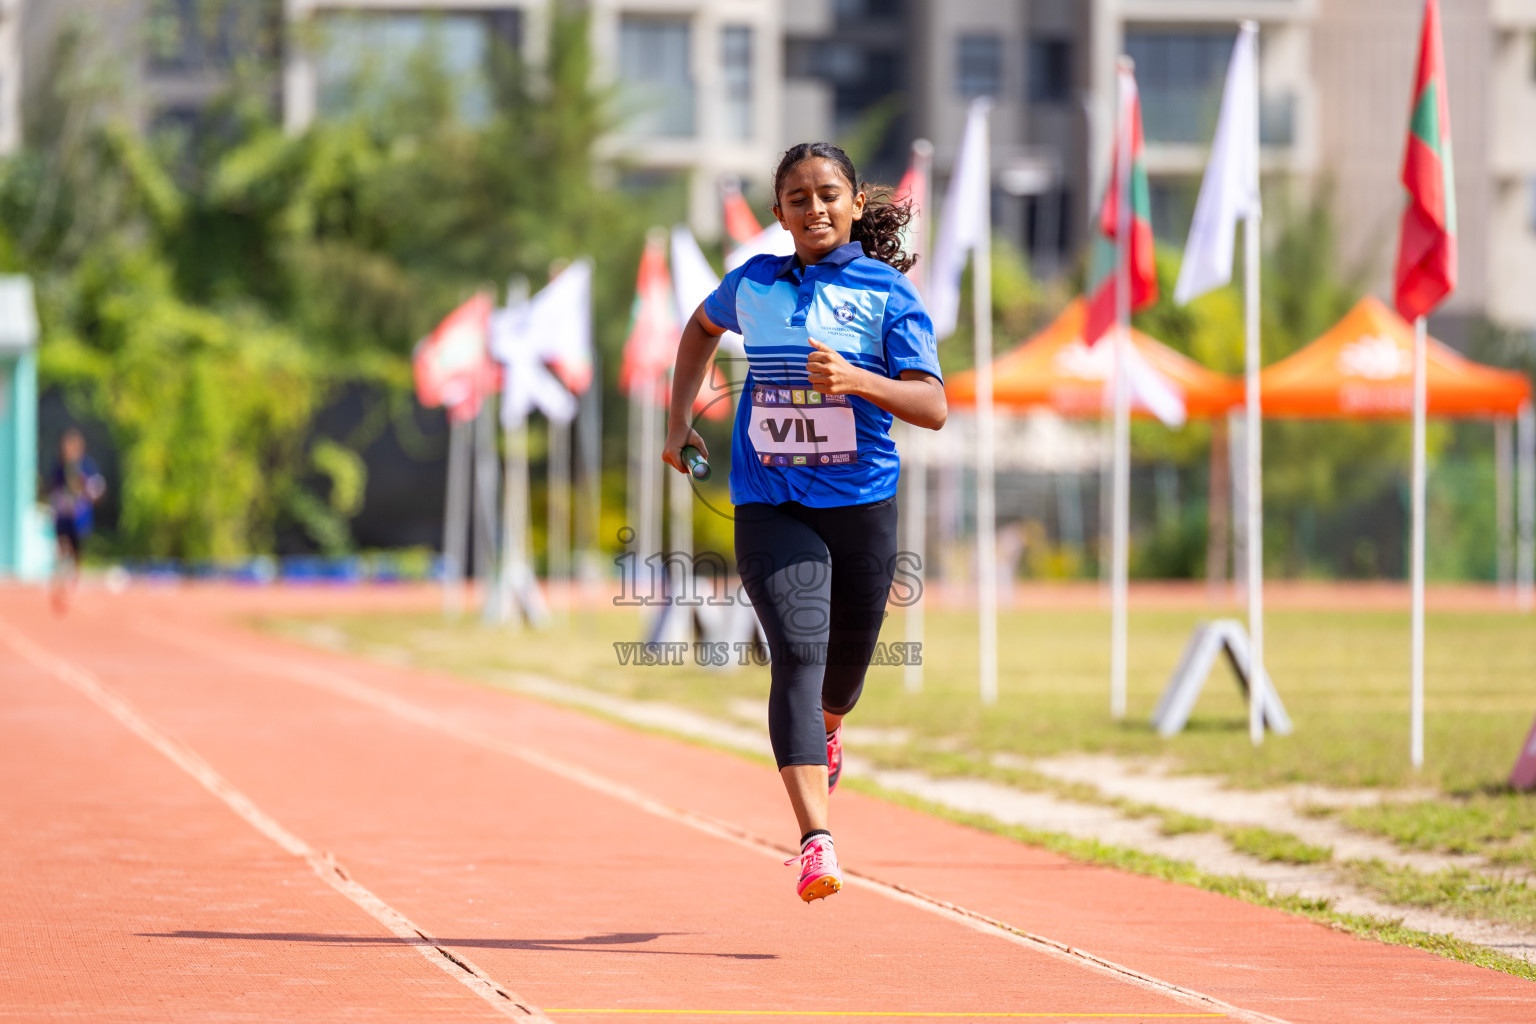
{"points": [[698, 83], [1335, 82], [714, 89], [10, 75]]}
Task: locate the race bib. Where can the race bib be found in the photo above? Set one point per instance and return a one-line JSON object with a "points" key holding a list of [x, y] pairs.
{"points": [[803, 427]]}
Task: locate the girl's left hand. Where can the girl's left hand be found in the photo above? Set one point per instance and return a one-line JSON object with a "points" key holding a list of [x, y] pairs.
{"points": [[830, 373]]}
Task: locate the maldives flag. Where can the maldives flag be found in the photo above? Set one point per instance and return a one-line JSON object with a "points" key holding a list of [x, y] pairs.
{"points": [[1102, 264], [1426, 251], [452, 365], [654, 332]]}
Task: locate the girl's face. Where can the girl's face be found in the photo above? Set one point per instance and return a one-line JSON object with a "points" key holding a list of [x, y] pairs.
{"points": [[817, 206]]}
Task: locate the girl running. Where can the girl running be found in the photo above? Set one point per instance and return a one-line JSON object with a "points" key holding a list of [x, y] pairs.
{"points": [[837, 343]]}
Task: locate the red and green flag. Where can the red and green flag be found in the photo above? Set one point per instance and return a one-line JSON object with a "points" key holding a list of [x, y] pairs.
{"points": [[1426, 252], [1103, 261]]}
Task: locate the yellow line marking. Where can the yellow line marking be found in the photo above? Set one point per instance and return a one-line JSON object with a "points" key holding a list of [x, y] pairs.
{"points": [[891, 1013]]}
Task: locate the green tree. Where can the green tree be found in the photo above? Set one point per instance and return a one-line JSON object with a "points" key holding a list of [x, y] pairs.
{"points": [[205, 299]]}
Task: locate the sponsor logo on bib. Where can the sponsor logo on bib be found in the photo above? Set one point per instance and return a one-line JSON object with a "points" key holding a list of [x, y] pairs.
{"points": [[793, 427]]}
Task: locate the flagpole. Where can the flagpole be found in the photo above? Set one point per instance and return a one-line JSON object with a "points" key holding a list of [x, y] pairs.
{"points": [[516, 577], [454, 514], [589, 512], [558, 533], [1258, 692], [916, 512], [648, 529], [485, 507], [1122, 453], [679, 544], [986, 504], [1419, 474]]}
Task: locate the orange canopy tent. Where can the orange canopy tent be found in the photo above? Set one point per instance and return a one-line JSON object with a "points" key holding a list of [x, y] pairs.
{"points": [[1363, 368], [1055, 369]]}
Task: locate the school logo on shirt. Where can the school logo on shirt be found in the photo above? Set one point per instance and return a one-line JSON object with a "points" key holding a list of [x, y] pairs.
{"points": [[844, 313]]}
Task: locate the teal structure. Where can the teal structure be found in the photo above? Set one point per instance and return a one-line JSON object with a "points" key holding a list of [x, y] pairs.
{"points": [[24, 551]]}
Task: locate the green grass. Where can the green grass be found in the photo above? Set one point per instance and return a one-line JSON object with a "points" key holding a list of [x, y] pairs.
{"points": [[1343, 677], [1456, 891], [1276, 846], [1175, 823], [1498, 825], [1236, 886]]}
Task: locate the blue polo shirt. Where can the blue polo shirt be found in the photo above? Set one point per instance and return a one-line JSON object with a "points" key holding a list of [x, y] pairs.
{"points": [[864, 309]]}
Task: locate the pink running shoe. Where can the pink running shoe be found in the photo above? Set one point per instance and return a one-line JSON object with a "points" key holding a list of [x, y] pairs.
{"points": [[834, 758], [820, 876]]}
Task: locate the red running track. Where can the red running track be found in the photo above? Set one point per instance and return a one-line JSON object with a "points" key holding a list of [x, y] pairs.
{"points": [[202, 823]]}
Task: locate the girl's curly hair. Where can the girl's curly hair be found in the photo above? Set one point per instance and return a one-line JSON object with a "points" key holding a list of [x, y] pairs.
{"points": [[879, 230]]}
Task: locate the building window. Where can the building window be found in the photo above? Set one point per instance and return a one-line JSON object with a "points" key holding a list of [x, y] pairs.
{"points": [[361, 54], [655, 68], [1277, 119], [1173, 205], [736, 69], [198, 35], [979, 65], [1050, 70], [1180, 76]]}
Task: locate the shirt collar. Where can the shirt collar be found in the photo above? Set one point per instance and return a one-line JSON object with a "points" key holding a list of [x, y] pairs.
{"points": [[838, 257]]}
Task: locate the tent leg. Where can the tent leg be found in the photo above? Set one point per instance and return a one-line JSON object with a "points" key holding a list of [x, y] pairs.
{"points": [[1237, 459], [1218, 520], [1526, 567]]}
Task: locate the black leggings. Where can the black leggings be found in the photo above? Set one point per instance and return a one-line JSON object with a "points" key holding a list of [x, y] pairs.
{"points": [[818, 579]]}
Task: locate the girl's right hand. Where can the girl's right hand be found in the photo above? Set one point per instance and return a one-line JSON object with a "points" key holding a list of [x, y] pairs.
{"points": [[679, 438]]}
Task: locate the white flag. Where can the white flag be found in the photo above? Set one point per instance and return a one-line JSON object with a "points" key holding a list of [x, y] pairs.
{"points": [[555, 326], [692, 282], [772, 239], [1230, 190], [966, 205], [1150, 390]]}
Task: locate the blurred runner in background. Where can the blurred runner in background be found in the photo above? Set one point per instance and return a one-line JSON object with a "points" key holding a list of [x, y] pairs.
{"points": [[74, 487]]}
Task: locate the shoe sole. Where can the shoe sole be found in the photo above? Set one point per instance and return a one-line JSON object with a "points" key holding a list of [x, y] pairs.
{"points": [[820, 889]]}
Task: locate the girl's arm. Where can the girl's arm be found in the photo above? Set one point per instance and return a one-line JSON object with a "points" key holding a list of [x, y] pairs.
{"points": [[694, 352], [917, 397]]}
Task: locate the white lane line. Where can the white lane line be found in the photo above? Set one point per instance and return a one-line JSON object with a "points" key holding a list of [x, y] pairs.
{"points": [[346, 686], [456, 966]]}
